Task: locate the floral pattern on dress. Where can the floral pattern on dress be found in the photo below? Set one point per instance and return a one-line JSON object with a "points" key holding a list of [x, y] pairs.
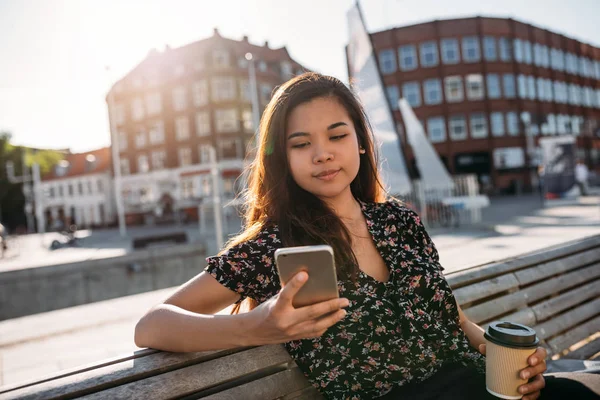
{"points": [[395, 332]]}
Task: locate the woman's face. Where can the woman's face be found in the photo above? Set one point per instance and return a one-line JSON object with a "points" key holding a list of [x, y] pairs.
{"points": [[322, 148]]}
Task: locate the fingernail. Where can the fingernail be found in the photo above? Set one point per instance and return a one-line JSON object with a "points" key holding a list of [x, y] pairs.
{"points": [[523, 389], [344, 303], [525, 375], [534, 360], [301, 277]]}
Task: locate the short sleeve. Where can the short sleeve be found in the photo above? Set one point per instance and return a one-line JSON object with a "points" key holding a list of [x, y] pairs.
{"points": [[426, 247]]}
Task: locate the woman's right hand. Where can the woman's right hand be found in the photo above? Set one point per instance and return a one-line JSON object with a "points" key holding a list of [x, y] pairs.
{"points": [[278, 321]]}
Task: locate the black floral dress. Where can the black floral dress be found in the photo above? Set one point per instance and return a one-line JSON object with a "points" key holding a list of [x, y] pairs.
{"points": [[396, 332]]}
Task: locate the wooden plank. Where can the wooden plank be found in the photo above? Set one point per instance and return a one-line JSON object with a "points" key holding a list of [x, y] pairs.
{"points": [[555, 305], [575, 335], [476, 274], [268, 388], [485, 289], [524, 316], [105, 376], [308, 393], [586, 351], [498, 306], [568, 320], [542, 271], [195, 378]]}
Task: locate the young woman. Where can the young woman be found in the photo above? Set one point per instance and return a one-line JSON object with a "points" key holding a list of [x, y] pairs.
{"points": [[396, 332]]}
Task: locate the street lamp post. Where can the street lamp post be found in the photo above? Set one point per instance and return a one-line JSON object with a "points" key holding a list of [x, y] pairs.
{"points": [[253, 94], [526, 118], [32, 188]]}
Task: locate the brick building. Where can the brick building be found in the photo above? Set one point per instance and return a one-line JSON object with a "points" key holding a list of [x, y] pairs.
{"points": [[177, 104], [475, 82]]}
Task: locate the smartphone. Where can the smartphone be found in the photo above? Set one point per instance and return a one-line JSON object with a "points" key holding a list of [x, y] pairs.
{"points": [[318, 262]]}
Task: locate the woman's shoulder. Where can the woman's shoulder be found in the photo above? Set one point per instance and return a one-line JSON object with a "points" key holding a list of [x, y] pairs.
{"points": [[395, 209], [265, 242]]}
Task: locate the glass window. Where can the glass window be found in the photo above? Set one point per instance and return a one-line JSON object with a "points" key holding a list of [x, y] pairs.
{"points": [[158, 159], [545, 56], [489, 48], [393, 95], [185, 156], [153, 103], [551, 122], [527, 52], [432, 91], [505, 49], [408, 57], [470, 49], [157, 132], [512, 123], [478, 126], [125, 170], [597, 98], [541, 89], [247, 121], [531, 87], [429, 57], [522, 81], [122, 140], [573, 95], [119, 114], [179, 100], [245, 90], [188, 188], [497, 121], [549, 94], [436, 129], [450, 54], [229, 149], [221, 59], [223, 89], [537, 54], [556, 59], [475, 87], [582, 66], [493, 86], [265, 93], [571, 63], [227, 120], [140, 137], [412, 94], [588, 97], [597, 69], [453, 89], [182, 128], [458, 127], [508, 81], [287, 71], [200, 93], [202, 123], [204, 152], [387, 61], [137, 109], [143, 165], [518, 48]]}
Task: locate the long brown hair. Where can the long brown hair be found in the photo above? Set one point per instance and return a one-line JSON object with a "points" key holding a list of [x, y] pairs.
{"points": [[273, 197]]}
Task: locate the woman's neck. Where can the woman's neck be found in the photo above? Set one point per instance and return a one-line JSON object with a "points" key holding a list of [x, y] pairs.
{"points": [[347, 208]]}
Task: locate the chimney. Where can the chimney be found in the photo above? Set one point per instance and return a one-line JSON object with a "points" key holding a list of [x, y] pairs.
{"points": [[216, 31], [245, 39], [267, 44]]}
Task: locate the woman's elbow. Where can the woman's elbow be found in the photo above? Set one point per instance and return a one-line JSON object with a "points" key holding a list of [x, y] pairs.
{"points": [[142, 332]]}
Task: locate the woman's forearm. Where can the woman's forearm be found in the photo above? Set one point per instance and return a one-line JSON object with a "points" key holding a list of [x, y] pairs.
{"points": [[474, 333], [170, 328]]}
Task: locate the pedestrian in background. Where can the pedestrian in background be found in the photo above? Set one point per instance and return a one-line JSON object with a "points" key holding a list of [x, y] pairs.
{"points": [[581, 177]]}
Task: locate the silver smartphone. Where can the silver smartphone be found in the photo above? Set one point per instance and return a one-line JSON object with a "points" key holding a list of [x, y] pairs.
{"points": [[318, 262]]}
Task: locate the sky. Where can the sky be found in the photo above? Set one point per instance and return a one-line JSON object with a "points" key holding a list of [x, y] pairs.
{"points": [[54, 53]]}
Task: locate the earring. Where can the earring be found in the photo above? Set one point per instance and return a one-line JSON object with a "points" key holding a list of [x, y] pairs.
{"points": [[362, 151]]}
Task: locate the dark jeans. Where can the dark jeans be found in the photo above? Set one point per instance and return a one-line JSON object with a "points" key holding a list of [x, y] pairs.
{"points": [[456, 382]]}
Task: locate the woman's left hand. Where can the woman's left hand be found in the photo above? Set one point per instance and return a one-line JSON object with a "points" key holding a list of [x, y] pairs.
{"points": [[537, 366]]}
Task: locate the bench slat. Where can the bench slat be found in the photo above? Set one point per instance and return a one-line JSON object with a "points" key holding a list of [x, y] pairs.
{"points": [[524, 316], [542, 271], [567, 320], [195, 378], [586, 351], [557, 304], [575, 335], [476, 274], [105, 376], [267, 388], [485, 289], [498, 306]]}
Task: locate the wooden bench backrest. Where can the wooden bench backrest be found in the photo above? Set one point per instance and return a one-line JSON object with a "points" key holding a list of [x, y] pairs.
{"points": [[539, 288]]}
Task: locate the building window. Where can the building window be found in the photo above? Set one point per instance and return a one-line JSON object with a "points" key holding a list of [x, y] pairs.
{"points": [[188, 188], [70, 190], [432, 91], [450, 54], [508, 81], [247, 121], [387, 61], [185, 156], [497, 120], [573, 95], [597, 69], [245, 90], [429, 57], [200, 93], [453, 89], [80, 188], [90, 187], [287, 71], [571, 63], [493, 86], [157, 133], [478, 126], [206, 185], [140, 138], [61, 192], [221, 59], [527, 53], [143, 165], [512, 123], [531, 87], [458, 127], [100, 185], [522, 81], [545, 54], [265, 93], [228, 149], [262, 66], [204, 152], [474, 87], [50, 192], [158, 159], [182, 128], [541, 86], [505, 49], [122, 138], [489, 48], [557, 59], [408, 57], [470, 49], [202, 124], [179, 100], [436, 128], [393, 95], [226, 120], [223, 89], [119, 114], [153, 103], [412, 94], [125, 166], [518, 48], [137, 109]]}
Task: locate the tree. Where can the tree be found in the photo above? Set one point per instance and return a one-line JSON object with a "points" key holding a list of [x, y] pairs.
{"points": [[12, 201]]}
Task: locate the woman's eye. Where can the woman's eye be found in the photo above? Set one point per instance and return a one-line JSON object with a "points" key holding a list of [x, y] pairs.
{"points": [[338, 137], [300, 145]]}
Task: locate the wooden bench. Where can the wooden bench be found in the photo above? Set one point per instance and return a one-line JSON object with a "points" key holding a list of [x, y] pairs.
{"points": [[556, 291]]}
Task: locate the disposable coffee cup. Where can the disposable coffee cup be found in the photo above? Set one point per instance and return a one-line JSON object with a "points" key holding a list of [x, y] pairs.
{"points": [[508, 346]]}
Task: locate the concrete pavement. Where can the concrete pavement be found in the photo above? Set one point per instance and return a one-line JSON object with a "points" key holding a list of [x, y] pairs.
{"points": [[34, 346]]}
